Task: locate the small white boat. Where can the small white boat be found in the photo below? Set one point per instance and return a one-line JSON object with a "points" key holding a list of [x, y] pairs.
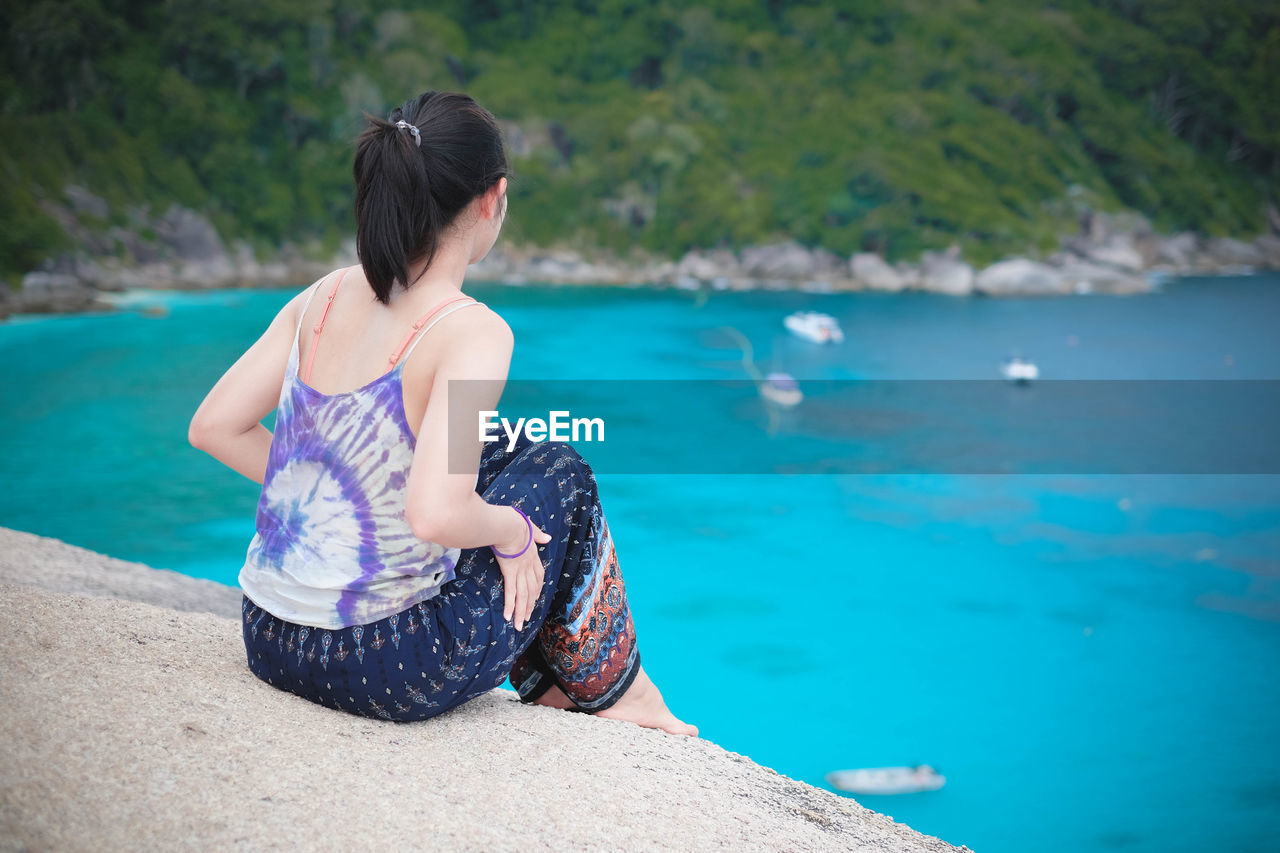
{"points": [[1019, 370], [781, 388], [887, 780], [814, 326]]}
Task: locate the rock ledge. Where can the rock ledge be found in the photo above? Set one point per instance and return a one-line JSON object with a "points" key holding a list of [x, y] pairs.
{"points": [[136, 726]]}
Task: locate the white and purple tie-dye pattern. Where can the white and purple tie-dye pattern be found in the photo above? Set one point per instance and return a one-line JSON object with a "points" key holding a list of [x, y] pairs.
{"points": [[333, 546]]}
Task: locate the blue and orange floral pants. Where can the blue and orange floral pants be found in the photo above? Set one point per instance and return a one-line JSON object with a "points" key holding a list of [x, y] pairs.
{"points": [[435, 655]]}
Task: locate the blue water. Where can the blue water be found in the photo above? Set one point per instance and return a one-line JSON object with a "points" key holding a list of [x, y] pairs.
{"points": [[1090, 660]]}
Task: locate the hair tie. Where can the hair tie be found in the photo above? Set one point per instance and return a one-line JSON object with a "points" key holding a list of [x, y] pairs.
{"points": [[413, 128]]}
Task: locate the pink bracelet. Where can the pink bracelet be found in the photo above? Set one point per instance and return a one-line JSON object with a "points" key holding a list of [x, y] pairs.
{"points": [[526, 545]]}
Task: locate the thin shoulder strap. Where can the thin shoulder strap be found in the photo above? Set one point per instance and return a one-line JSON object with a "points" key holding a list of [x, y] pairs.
{"points": [[315, 342], [417, 324], [401, 357], [306, 303]]}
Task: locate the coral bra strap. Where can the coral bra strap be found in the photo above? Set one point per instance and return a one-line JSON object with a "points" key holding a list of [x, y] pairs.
{"points": [[311, 359], [418, 325], [315, 342]]}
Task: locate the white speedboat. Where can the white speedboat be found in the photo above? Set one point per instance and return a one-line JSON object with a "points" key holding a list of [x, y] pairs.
{"points": [[1019, 370], [781, 388], [887, 780], [814, 326]]}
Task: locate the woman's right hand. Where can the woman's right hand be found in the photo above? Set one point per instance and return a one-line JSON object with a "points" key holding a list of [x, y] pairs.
{"points": [[521, 576]]}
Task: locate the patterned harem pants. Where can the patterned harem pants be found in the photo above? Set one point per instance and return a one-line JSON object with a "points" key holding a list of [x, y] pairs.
{"points": [[437, 654]]}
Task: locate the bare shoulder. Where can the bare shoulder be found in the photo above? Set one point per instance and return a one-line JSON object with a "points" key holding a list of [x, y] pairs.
{"points": [[482, 326], [292, 310]]}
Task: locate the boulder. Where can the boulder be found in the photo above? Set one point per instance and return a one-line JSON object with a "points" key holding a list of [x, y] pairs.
{"points": [[1147, 246], [99, 274], [1020, 276], [945, 272], [871, 270], [1124, 239], [1224, 251], [909, 273], [134, 725], [1269, 246], [788, 260], [1095, 227], [700, 265], [654, 270], [1082, 276], [135, 247], [189, 235], [50, 292], [1118, 251], [1178, 251], [217, 271]]}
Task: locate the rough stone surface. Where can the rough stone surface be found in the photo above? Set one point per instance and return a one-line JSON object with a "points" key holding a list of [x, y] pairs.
{"points": [[1119, 252], [189, 235], [1020, 276], [63, 567], [180, 248], [945, 272], [1269, 246], [701, 265], [788, 261], [53, 292], [133, 726], [1226, 251], [872, 270], [1082, 276], [1178, 250]]}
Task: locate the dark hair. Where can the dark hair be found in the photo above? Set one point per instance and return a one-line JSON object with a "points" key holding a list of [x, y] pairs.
{"points": [[409, 186]]}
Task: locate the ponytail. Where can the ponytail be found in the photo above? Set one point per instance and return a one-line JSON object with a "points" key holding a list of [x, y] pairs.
{"points": [[414, 173]]}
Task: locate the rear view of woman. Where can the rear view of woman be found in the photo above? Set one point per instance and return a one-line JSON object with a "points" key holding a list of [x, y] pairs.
{"points": [[378, 582]]}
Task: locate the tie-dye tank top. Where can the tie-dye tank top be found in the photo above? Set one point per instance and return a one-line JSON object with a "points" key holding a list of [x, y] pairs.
{"points": [[333, 546]]}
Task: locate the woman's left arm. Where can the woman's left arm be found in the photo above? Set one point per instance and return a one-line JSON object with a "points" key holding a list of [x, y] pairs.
{"points": [[228, 423]]}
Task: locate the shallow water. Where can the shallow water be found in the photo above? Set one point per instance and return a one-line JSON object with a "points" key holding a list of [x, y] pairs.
{"points": [[1089, 659]]}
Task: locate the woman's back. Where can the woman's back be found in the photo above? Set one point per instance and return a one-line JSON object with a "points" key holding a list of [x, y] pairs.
{"points": [[391, 575], [360, 335], [333, 546]]}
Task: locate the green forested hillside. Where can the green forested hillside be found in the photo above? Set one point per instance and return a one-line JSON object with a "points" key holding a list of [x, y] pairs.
{"points": [[888, 125]]}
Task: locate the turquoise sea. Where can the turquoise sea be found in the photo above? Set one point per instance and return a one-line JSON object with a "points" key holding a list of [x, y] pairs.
{"points": [[1091, 661]]}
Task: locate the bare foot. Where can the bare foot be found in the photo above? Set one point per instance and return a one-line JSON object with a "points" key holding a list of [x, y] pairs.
{"points": [[642, 704]]}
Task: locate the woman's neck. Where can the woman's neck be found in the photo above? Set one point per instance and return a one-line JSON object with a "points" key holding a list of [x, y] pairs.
{"points": [[431, 283]]}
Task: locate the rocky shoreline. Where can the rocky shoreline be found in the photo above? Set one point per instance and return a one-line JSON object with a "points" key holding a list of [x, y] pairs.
{"points": [[1111, 253]]}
